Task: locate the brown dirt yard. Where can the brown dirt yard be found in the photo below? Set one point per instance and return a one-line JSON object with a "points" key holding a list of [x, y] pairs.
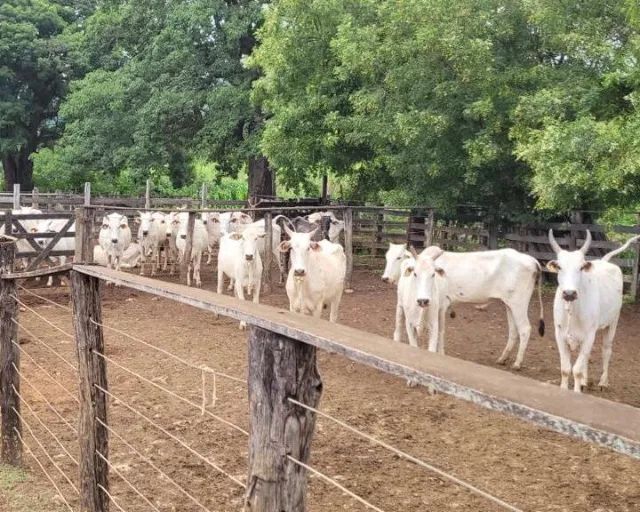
{"points": [[531, 468]]}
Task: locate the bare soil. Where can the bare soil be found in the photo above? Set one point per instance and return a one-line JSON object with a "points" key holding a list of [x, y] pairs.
{"points": [[529, 467]]}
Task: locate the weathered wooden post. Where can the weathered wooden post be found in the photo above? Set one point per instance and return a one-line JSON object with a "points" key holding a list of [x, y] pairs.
{"points": [[16, 196], [348, 247], [279, 368], [429, 228], [492, 229], [416, 228], [325, 225], [635, 271], [204, 194], [268, 252], [92, 372], [379, 232], [35, 198], [85, 221], [147, 195], [87, 193], [186, 257], [9, 358]]}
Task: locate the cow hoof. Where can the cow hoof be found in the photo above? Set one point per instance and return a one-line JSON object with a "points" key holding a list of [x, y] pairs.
{"points": [[516, 366], [501, 361]]}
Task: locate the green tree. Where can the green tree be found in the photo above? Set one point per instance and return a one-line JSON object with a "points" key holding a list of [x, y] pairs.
{"points": [[34, 70]]}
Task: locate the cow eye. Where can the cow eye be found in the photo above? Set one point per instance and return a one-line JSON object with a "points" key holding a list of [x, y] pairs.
{"points": [[399, 258], [105, 226], [161, 222], [415, 275], [123, 226]]}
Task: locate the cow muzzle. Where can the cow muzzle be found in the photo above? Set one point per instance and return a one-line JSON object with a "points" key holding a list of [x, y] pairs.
{"points": [[184, 237], [423, 303], [145, 233], [299, 272], [248, 257], [569, 295], [114, 240]]}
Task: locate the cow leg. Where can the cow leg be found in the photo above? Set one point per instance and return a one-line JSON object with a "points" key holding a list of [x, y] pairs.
{"points": [[579, 367], [334, 308], [607, 348], [196, 269], [441, 323], [397, 332], [565, 356], [511, 340], [411, 331], [433, 324], [523, 327], [256, 291]]}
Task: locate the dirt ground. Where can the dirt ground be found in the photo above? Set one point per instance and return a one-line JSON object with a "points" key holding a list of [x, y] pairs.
{"points": [[531, 468]]}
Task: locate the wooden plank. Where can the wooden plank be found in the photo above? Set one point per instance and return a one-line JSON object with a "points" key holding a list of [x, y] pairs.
{"points": [[93, 437], [280, 368], [42, 216], [585, 417], [16, 196], [11, 452], [49, 271], [87, 194], [22, 233], [34, 253], [47, 250]]}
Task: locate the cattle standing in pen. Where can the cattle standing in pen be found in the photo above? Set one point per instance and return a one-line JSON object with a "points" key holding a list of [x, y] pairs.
{"points": [[394, 257], [151, 234], [588, 300], [114, 238], [199, 244]]}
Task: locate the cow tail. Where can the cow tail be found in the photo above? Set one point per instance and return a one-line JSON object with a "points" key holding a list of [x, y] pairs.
{"points": [[540, 303]]}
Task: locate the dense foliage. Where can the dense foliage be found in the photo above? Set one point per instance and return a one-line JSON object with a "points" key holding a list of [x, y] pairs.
{"points": [[509, 105]]}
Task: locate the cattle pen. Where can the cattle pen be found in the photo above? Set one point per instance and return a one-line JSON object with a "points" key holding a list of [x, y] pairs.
{"points": [[282, 387]]}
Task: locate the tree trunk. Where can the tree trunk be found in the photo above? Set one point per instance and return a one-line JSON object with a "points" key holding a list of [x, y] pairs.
{"points": [[18, 168], [261, 179]]}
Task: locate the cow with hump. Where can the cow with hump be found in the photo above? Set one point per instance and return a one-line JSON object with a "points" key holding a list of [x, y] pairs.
{"points": [[114, 238], [317, 273], [587, 301]]}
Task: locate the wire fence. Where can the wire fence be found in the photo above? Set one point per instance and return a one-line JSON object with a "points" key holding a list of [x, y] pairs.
{"points": [[156, 410]]}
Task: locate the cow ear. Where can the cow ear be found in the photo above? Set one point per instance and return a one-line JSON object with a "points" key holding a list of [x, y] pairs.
{"points": [[315, 246], [587, 266], [440, 271], [553, 266], [284, 246], [408, 271]]}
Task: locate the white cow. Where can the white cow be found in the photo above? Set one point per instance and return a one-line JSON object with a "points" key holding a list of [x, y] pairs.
{"points": [[130, 258], [171, 254], [199, 245], [423, 298], [504, 274], [276, 235], [152, 231], [335, 227], [212, 222], [394, 257], [230, 222], [64, 244], [239, 259], [114, 238], [588, 299], [316, 277]]}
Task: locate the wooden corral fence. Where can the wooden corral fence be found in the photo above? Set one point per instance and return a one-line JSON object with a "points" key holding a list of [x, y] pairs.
{"points": [[284, 390]]}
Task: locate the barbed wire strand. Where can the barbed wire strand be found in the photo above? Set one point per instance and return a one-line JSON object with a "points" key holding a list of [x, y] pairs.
{"points": [[124, 479], [30, 452], [33, 294], [53, 409], [46, 345], [45, 320], [150, 463], [111, 498], [168, 354], [42, 369], [45, 451], [33, 413], [173, 394], [170, 435], [411, 458], [334, 483]]}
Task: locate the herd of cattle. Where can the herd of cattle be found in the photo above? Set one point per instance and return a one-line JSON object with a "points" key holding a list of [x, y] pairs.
{"points": [[588, 298]]}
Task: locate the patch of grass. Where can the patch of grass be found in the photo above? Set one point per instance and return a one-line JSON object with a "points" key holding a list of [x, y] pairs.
{"points": [[19, 494]]}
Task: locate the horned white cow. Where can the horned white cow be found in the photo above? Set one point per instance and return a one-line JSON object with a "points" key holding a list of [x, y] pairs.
{"points": [[316, 277], [336, 226], [151, 234], [588, 300], [504, 274], [130, 258], [114, 238], [239, 259], [199, 244]]}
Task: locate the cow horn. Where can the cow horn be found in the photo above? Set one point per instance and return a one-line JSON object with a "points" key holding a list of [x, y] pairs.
{"points": [[586, 244], [288, 231], [554, 245]]}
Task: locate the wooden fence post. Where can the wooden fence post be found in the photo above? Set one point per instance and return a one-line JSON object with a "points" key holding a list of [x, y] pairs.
{"points": [[429, 228], [87, 193], [204, 194], [147, 195], [279, 368], [35, 198], [85, 220], [348, 247], [9, 359], [186, 257], [268, 252], [378, 234], [16, 196], [92, 372], [325, 226], [492, 228], [635, 271], [415, 229]]}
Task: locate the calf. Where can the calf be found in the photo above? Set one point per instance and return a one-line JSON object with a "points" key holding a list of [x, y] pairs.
{"points": [[588, 299], [276, 235], [395, 256], [199, 245], [316, 277], [151, 234], [114, 238], [239, 259]]}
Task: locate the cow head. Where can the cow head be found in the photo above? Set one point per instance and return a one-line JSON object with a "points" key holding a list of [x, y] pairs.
{"points": [[171, 224], [396, 254], [426, 271], [236, 221], [570, 267], [249, 239], [114, 225], [299, 245], [44, 226], [144, 222]]}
